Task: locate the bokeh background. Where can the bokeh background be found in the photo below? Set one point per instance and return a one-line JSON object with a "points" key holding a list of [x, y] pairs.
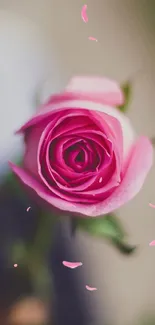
{"points": [[42, 44]]}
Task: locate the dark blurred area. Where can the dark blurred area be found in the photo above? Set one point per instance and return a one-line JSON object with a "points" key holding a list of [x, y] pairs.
{"points": [[68, 306]]}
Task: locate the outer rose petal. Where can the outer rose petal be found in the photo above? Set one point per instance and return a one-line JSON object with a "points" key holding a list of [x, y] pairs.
{"points": [[128, 132], [138, 165], [108, 93], [91, 93], [32, 139], [41, 190], [102, 90]]}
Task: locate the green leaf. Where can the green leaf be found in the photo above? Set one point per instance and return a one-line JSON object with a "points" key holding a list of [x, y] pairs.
{"points": [[108, 227], [127, 90], [123, 247]]}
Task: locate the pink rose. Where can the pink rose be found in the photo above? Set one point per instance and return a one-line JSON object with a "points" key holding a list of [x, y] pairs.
{"points": [[81, 154]]}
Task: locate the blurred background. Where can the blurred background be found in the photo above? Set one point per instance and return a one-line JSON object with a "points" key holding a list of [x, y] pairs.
{"points": [[42, 44]]}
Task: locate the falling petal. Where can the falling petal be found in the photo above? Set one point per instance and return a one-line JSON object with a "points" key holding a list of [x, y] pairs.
{"points": [[152, 205], [84, 14], [92, 38], [15, 265], [152, 243], [28, 209], [90, 288], [71, 265]]}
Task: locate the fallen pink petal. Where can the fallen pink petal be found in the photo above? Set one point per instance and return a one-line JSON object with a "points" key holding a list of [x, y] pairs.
{"points": [[90, 288], [152, 243], [28, 209], [152, 205], [71, 265], [15, 265], [84, 14], [92, 38]]}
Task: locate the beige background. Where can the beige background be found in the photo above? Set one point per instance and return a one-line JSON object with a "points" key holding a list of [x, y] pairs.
{"points": [[54, 42]]}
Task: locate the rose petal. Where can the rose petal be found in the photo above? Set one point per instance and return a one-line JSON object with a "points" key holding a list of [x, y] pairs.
{"points": [[152, 243], [61, 202], [103, 90], [91, 38], [85, 185], [137, 167], [152, 205], [96, 90], [49, 111], [30, 158], [84, 14], [32, 139], [112, 128], [15, 265], [71, 120], [50, 171], [72, 265], [64, 192], [41, 190], [90, 288]]}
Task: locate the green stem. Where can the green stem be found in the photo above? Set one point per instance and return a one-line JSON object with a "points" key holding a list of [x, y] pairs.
{"points": [[44, 234], [38, 256]]}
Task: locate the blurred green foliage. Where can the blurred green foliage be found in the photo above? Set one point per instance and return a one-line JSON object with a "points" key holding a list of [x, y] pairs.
{"points": [[107, 227]]}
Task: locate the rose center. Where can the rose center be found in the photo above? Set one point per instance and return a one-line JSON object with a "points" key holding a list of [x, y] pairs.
{"points": [[80, 158]]}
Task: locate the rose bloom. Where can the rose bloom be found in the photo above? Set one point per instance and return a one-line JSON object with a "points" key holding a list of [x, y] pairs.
{"points": [[81, 154]]}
